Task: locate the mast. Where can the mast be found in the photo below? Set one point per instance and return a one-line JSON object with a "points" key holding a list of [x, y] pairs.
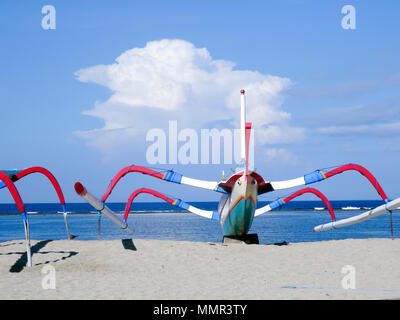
{"points": [[242, 126]]}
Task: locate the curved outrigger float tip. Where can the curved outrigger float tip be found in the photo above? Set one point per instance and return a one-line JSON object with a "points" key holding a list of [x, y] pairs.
{"points": [[238, 203], [7, 179]]}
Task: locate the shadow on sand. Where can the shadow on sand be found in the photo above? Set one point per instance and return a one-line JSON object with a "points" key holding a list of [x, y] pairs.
{"points": [[128, 244], [20, 264], [283, 243]]}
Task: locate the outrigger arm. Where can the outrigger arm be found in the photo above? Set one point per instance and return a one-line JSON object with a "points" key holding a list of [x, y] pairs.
{"points": [[319, 175], [18, 201], [280, 202], [166, 175], [16, 175], [210, 214]]}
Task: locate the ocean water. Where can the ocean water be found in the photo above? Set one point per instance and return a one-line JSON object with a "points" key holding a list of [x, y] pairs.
{"points": [[161, 221]]}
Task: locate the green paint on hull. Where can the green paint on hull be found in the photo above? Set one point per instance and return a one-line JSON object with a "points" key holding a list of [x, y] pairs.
{"points": [[240, 219]]}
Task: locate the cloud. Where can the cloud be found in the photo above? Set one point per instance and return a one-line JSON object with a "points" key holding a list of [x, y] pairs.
{"points": [[331, 91], [383, 111], [171, 79], [376, 130], [280, 155], [379, 119]]}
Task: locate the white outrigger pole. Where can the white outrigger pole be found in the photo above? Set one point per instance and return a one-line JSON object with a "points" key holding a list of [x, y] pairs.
{"points": [[387, 207]]}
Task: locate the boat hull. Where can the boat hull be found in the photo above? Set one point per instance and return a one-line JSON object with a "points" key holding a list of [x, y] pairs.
{"points": [[239, 219], [237, 209]]}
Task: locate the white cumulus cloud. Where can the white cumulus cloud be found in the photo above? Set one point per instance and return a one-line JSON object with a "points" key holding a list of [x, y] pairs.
{"points": [[279, 155], [171, 79]]}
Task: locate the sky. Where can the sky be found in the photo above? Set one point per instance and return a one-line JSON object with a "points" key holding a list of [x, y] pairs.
{"points": [[80, 99]]}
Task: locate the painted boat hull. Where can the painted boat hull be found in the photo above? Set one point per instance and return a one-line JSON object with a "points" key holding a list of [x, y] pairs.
{"points": [[237, 209], [240, 219]]}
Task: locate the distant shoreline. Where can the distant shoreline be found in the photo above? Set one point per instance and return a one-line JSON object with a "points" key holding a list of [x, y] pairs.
{"points": [[184, 212]]}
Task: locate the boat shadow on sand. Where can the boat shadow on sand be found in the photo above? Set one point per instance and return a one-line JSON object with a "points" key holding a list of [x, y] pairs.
{"points": [[128, 244], [21, 263]]}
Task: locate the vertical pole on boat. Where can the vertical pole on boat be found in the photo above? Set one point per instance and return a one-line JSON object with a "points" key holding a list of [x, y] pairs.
{"points": [[242, 125], [28, 239], [248, 132]]}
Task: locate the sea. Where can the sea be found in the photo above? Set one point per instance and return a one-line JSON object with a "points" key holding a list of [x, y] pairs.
{"points": [[156, 220]]}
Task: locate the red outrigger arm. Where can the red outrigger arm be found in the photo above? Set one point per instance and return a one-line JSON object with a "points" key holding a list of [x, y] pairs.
{"points": [[167, 175], [148, 191], [17, 175], [56, 187], [176, 202], [14, 192], [124, 172], [49, 176], [280, 202], [363, 171], [18, 201], [318, 193], [319, 175]]}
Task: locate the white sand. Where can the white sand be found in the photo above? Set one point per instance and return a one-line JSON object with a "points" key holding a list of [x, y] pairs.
{"points": [[193, 270]]}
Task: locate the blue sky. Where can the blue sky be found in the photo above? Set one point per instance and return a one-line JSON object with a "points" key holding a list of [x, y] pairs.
{"points": [[343, 92]]}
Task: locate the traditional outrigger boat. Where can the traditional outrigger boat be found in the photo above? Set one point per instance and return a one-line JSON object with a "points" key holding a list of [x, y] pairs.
{"points": [[239, 194]]}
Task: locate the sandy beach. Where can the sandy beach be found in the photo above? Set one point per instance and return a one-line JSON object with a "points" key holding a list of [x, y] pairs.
{"points": [[159, 269]]}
